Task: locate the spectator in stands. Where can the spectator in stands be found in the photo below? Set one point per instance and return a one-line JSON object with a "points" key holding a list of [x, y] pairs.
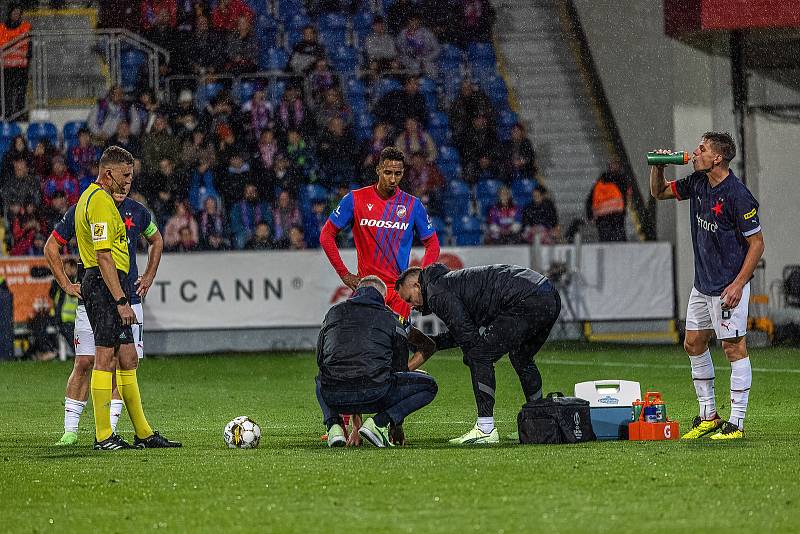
{"points": [[477, 141], [414, 138], [292, 111], [167, 179], [321, 79], [397, 15], [476, 21], [123, 138], [234, 179], [470, 102], [283, 176], [313, 221], [17, 150], [246, 214], [540, 218], [518, 157], [380, 47], [25, 225], [210, 222], [152, 9], [300, 155], [266, 151], [241, 51], [371, 152], [297, 239], [285, 215], [396, 106], [15, 59], [418, 48], [55, 211], [606, 203], [201, 185], [125, 14], [202, 49], [306, 52], [81, 156], [259, 113], [222, 111], [483, 169], [186, 242], [181, 218], [159, 144], [148, 108], [504, 221], [162, 33], [337, 151], [226, 15], [227, 146], [333, 105], [60, 181], [162, 204], [21, 185], [184, 118], [43, 153], [188, 12], [424, 180], [108, 112], [261, 238], [197, 148]]}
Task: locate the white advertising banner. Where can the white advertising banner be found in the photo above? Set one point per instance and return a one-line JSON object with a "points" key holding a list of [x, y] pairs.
{"points": [[210, 291]]}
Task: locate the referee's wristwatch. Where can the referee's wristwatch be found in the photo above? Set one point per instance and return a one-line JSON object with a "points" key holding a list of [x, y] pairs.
{"points": [[122, 301]]}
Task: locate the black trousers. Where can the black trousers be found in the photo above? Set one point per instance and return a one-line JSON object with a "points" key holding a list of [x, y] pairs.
{"points": [[519, 332], [16, 87]]}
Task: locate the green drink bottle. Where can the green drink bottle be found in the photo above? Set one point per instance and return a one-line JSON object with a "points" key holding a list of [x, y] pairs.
{"points": [[676, 158]]}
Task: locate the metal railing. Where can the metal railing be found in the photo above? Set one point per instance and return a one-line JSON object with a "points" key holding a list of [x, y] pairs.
{"points": [[75, 67]]}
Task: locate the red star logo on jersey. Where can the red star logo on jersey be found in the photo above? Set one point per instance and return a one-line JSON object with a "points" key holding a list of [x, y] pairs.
{"points": [[77, 342], [717, 209], [129, 222]]}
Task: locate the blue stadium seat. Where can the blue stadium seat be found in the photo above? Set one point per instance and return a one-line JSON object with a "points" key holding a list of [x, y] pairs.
{"points": [[364, 120], [39, 130], [439, 225], [266, 35], [448, 154], [354, 86], [259, 7], [275, 59], [5, 144], [481, 51], [357, 104], [486, 194], [450, 169], [458, 189], [9, 129], [275, 90], [332, 21], [291, 36], [333, 38], [438, 118], [495, 88], [440, 134], [70, 133], [363, 132], [467, 231], [521, 190], [452, 53], [212, 89], [383, 86], [246, 90], [297, 19], [312, 192], [362, 25], [427, 85], [345, 58]]}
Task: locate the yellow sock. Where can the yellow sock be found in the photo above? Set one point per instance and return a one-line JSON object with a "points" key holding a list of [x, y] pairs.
{"points": [[128, 388], [101, 403]]}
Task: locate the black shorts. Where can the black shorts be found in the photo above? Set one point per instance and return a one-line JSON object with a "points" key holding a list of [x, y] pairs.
{"points": [[102, 309]]}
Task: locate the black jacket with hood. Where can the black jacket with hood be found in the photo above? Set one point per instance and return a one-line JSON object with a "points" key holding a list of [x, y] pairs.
{"points": [[467, 299], [361, 343]]}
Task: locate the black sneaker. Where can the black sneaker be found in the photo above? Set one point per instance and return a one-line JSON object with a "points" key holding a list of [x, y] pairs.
{"points": [[112, 443], [156, 441]]}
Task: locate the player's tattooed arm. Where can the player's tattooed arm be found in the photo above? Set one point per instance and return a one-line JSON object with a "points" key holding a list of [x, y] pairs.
{"points": [[425, 348]]}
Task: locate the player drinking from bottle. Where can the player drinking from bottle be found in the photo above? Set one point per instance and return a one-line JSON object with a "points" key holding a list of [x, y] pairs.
{"points": [[728, 243]]}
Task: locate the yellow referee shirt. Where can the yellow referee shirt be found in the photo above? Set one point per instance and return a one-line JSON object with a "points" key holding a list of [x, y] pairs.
{"points": [[98, 226]]}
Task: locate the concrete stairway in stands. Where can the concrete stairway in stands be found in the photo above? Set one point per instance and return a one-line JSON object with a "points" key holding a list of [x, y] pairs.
{"points": [[552, 100]]}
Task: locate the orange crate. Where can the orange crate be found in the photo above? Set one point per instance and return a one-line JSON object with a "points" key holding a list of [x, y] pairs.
{"points": [[640, 430]]}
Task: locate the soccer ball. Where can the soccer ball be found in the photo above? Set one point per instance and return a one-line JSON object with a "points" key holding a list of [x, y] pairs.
{"points": [[242, 433]]}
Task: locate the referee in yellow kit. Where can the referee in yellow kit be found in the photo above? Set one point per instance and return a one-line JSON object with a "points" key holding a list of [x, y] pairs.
{"points": [[103, 247]]}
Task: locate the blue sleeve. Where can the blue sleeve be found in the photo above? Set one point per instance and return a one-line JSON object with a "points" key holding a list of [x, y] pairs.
{"points": [[422, 221], [683, 188], [65, 228], [343, 214], [745, 211]]}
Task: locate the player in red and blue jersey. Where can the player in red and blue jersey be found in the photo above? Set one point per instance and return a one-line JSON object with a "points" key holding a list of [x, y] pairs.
{"points": [[384, 220], [728, 244]]}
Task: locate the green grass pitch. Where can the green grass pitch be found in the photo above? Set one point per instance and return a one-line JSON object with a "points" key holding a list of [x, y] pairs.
{"points": [[293, 483]]}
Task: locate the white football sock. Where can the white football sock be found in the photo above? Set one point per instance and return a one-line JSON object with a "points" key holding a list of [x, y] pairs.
{"points": [[116, 410], [486, 424], [703, 377], [741, 378], [72, 413]]}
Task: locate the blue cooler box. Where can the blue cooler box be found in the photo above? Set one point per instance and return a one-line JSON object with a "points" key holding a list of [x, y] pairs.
{"points": [[610, 403]]}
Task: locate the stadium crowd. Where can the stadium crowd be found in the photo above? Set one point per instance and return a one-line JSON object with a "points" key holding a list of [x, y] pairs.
{"points": [[260, 164]]}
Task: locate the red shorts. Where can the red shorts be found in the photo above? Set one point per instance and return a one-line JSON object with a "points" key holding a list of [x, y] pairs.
{"points": [[398, 305]]}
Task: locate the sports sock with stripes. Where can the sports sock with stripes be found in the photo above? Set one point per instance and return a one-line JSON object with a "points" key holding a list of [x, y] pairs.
{"points": [[741, 378], [72, 413], [116, 410], [703, 377]]}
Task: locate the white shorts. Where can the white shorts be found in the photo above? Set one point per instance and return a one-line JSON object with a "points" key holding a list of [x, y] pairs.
{"points": [[706, 313], [84, 337]]}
